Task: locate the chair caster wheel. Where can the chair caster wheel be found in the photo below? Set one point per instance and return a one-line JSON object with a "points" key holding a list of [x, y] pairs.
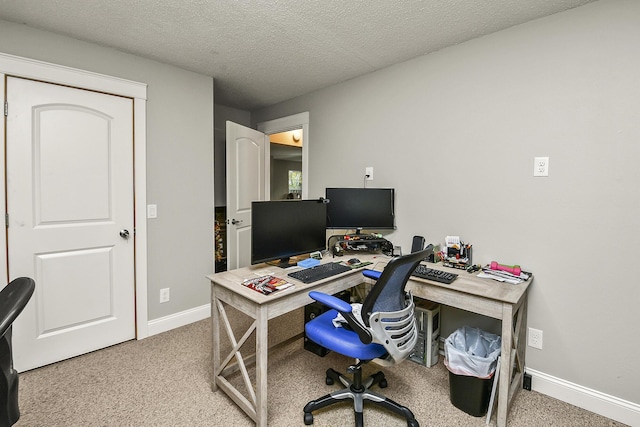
{"points": [[383, 384], [308, 418], [328, 381], [412, 423]]}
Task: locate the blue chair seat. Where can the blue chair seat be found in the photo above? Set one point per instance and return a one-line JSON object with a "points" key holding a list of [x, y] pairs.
{"points": [[341, 340]]}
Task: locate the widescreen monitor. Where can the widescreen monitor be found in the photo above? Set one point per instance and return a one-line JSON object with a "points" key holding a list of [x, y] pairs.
{"points": [[281, 229], [360, 208]]}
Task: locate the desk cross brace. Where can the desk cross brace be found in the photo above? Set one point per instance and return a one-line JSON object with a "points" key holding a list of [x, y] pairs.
{"points": [[249, 406], [517, 351], [235, 351], [513, 369]]}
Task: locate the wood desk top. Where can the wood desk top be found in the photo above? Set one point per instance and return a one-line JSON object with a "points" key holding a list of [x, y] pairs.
{"points": [[232, 280], [470, 283], [466, 283]]}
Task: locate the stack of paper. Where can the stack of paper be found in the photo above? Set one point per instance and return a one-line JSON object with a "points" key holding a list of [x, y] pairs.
{"points": [[503, 276]]}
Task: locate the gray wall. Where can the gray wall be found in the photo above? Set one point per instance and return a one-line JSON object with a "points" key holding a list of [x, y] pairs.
{"points": [[179, 159], [456, 132]]}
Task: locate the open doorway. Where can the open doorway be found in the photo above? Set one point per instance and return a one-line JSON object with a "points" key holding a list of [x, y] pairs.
{"points": [[282, 134], [286, 164]]}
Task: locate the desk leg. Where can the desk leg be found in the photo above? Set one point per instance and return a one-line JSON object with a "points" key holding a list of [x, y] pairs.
{"points": [[504, 382], [215, 339], [262, 350]]}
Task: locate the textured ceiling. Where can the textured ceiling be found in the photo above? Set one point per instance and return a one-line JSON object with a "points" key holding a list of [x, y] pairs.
{"points": [[261, 52]]}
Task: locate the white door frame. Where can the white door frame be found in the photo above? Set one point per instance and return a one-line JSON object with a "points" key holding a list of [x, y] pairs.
{"points": [[283, 124], [51, 73]]}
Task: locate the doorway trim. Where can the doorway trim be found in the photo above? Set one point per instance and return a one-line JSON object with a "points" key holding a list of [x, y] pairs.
{"points": [[52, 73], [284, 124]]}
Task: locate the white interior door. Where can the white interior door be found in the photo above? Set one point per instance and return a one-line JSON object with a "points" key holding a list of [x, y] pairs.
{"points": [[247, 181], [70, 209]]}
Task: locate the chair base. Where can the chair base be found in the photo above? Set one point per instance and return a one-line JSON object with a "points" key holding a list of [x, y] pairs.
{"points": [[358, 391]]}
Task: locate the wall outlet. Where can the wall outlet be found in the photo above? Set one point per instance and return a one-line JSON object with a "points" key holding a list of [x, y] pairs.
{"points": [[165, 295], [368, 173], [535, 338], [541, 166]]}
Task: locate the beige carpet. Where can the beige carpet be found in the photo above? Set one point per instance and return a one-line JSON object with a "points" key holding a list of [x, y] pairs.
{"points": [[164, 380]]}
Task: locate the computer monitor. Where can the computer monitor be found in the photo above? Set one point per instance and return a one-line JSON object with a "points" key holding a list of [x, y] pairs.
{"points": [[359, 208], [281, 229]]}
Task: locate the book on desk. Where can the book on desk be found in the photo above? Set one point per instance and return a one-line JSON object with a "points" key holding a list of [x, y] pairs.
{"points": [[267, 285]]}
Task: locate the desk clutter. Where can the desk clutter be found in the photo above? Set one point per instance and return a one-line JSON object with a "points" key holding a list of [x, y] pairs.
{"points": [[358, 243], [504, 273], [456, 253], [267, 284]]}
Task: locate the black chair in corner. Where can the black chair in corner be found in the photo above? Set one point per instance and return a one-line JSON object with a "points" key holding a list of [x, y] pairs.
{"points": [[13, 298], [386, 332]]}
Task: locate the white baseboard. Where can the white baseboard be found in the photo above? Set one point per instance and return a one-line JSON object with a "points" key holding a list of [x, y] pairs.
{"points": [[176, 320], [603, 404]]}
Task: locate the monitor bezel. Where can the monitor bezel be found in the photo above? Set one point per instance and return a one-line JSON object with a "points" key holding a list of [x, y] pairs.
{"points": [[289, 225], [330, 192]]}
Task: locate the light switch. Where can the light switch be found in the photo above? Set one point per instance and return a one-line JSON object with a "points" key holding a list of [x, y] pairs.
{"points": [[152, 211]]}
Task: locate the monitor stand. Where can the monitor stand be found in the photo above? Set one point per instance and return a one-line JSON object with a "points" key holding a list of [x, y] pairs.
{"points": [[283, 263], [357, 233]]}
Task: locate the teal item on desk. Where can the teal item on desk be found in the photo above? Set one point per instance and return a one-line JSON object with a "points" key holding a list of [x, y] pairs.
{"points": [[309, 262]]}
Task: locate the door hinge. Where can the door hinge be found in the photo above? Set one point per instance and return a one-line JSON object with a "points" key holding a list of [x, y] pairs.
{"points": [[6, 108], [6, 220]]}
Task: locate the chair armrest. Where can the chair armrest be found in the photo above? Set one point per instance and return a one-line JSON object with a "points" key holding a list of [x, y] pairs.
{"points": [[345, 309], [371, 274], [331, 301], [13, 298]]}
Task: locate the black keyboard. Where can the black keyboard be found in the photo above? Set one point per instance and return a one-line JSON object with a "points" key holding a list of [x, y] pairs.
{"points": [[322, 271], [425, 272]]}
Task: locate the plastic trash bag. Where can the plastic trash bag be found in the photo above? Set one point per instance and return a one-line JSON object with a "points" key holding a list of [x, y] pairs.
{"points": [[472, 352]]}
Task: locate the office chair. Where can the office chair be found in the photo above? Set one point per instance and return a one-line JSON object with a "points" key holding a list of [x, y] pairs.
{"points": [[13, 298], [387, 332]]}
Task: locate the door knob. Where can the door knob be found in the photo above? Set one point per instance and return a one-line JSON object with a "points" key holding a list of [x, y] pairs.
{"points": [[236, 221], [124, 234]]}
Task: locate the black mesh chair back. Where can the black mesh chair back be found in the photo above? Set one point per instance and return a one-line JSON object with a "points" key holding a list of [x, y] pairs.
{"points": [[387, 295]]}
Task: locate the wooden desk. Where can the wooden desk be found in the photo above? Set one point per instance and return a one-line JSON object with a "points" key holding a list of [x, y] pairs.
{"points": [[226, 288], [486, 297]]}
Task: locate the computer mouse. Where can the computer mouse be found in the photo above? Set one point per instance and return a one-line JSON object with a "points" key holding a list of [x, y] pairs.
{"points": [[353, 261]]}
